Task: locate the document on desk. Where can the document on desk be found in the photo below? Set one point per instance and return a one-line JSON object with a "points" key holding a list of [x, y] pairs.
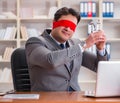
{"points": [[21, 96], [2, 93]]}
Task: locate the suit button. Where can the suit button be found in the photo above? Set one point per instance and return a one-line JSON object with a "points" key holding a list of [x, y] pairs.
{"points": [[67, 80]]}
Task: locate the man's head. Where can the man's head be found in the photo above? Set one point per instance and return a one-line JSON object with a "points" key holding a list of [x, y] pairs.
{"points": [[66, 11], [64, 24]]}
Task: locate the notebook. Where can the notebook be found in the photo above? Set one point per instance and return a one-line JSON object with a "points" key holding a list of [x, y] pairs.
{"points": [[108, 80], [21, 96]]}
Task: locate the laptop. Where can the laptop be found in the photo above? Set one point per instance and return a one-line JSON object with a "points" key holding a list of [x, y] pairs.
{"points": [[107, 81]]}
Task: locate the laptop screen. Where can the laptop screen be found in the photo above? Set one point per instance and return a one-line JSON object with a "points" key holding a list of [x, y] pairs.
{"points": [[108, 78]]}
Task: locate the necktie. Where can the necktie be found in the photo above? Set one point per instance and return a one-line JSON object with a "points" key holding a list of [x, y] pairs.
{"points": [[62, 46]]}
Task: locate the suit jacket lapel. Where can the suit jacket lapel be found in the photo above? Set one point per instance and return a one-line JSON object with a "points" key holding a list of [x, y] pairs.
{"points": [[69, 43]]}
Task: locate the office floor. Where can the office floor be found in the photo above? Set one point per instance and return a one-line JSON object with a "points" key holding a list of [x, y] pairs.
{"points": [[6, 87], [87, 86]]}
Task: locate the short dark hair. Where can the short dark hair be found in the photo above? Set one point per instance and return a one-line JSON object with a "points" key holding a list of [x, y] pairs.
{"points": [[66, 11]]}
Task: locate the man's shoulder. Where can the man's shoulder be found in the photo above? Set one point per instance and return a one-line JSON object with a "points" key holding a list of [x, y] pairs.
{"points": [[33, 39], [39, 39]]}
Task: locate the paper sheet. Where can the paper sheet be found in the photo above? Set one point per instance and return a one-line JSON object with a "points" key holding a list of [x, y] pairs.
{"points": [[21, 96]]}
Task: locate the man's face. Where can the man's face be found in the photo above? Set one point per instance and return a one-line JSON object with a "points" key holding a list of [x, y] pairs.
{"points": [[62, 33]]}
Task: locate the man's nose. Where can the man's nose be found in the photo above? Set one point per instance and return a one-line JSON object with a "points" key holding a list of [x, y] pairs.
{"points": [[67, 28]]}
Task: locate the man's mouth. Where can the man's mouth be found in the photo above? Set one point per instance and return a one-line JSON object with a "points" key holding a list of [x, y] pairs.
{"points": [[65, 33]]}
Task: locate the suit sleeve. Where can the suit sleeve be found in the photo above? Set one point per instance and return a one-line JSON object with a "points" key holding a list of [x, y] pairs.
{"points": [[38, 54], [91, 61]]}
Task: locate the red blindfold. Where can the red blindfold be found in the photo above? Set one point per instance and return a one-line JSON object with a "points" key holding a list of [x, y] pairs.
{"points": [[65, 23]]}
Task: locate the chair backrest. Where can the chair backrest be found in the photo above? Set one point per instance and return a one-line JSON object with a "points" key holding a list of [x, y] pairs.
{"points": [[19, 68]]}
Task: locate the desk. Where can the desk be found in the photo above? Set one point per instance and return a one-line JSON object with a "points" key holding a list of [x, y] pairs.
{"points": [[63, 97]]}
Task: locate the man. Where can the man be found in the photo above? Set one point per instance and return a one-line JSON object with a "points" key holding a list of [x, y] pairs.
{"points": [[54, 68]]}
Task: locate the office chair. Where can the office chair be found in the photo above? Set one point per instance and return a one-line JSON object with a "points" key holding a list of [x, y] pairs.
{"points": [[19, 68]]}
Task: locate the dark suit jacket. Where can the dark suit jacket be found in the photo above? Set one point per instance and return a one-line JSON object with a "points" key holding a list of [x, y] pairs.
{"points": [[49, 64]]}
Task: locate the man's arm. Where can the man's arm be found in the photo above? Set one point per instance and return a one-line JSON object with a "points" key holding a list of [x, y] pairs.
{"points": [[91, 60], [38, 54]]}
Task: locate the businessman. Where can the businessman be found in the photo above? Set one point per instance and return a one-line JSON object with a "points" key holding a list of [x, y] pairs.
{"points": [[54, 59]]}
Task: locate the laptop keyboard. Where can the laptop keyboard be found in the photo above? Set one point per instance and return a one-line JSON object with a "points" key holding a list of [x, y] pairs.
{"points": [[89, 92]]}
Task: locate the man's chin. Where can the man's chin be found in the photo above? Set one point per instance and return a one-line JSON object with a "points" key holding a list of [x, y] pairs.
{"points": [[66, 39]]}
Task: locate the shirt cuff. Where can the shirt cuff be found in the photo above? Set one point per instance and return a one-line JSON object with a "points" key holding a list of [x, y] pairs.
{"points": [[101, 52]]}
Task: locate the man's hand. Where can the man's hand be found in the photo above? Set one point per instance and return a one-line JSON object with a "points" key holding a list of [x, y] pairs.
{"points": [[97, 38]]}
